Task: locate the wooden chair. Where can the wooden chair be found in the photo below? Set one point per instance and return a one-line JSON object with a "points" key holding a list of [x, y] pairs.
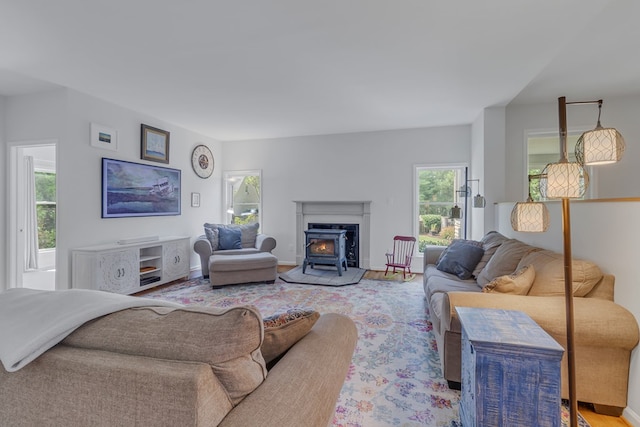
{"points": [[402, 254]]}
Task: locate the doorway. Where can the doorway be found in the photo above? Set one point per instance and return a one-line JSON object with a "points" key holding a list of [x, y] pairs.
{"points": [[32, 215]]}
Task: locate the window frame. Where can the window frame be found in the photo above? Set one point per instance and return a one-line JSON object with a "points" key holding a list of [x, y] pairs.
{"points": [[461, 200], [229, 178]]}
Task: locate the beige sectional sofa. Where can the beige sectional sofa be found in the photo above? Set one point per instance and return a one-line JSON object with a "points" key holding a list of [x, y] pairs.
{"points": [[160, 366], [605, 332]]}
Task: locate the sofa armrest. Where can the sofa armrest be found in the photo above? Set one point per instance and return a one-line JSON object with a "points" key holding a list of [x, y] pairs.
{"points": [[595, 320], [69, 386], [265, 243], [202, 247], [309, 378], [432, 253]]}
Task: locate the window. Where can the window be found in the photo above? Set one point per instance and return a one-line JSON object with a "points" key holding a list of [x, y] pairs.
{"points": [[46, 209], [544, 148], [437, 191], [243, 200]]}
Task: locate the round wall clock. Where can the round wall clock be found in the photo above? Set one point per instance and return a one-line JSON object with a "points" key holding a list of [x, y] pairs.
{"points": [[202, 161]]}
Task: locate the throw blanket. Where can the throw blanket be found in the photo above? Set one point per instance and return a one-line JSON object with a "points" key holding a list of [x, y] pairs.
{"points": [[33, 321]]}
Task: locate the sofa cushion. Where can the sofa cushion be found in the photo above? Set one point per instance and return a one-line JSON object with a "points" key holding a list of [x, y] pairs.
{"points": [[229, 340], [460, 258], [517, 283], [437, 281], [504, 261], [243, 251], [243, 262], [490, 243], [283, 330], [229, 238], [549, 280], [213, 236]]}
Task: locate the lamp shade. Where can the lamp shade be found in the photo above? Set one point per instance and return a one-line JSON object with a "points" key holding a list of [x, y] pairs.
{"points": [[531, 217], [599, 146], [564, 180], [456, 212]]}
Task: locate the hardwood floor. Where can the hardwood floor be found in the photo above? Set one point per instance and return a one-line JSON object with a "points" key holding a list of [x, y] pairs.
{"points": [[598, 420]]}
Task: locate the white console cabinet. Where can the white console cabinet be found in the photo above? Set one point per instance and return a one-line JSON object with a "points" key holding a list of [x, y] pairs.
{"points": [[175, 259], [130, 268]]}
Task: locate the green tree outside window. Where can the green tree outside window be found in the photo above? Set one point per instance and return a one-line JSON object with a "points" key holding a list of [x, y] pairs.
{"points": [[46, 209]]}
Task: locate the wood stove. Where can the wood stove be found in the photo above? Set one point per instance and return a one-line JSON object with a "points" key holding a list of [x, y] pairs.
{"points": [[325, 247], [352, 244]]}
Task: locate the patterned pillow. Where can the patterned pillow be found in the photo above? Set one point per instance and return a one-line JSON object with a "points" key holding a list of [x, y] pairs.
{"points": [[283, 330], [517, 283], [213, 236]]}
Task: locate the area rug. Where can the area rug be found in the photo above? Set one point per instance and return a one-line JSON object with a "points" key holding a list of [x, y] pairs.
{"points": [[323, 275], [395, 377]]}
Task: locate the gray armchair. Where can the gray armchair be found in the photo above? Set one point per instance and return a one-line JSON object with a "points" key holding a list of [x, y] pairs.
{"points": [[202, 247]]}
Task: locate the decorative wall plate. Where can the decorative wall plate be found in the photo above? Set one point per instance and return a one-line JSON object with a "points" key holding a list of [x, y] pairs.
{"points": [[202, 161]]}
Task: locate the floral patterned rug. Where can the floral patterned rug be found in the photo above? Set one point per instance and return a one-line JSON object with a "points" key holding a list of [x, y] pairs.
{"points": [[395, 377]]}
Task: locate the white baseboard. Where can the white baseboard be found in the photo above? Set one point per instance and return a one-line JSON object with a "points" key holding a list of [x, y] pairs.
{"points": [[632, 417]]}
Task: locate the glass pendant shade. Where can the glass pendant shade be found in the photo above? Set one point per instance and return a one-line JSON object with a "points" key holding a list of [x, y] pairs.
{"points": [[600, 146], [529, 216], [479, 201], [564, 180], [456, 212]]}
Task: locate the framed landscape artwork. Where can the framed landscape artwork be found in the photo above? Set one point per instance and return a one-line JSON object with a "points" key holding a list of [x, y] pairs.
{"points": [[154, 144], [104, 137], [134, 189]]}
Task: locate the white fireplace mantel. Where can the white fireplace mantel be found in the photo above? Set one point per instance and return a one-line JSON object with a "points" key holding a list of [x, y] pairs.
{"points": [[345, 212]]}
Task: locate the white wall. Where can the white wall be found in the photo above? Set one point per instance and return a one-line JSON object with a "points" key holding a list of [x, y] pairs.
{"points": [[488, 165], [604, 232], [477, 171], [66, 115], [375, 166], [4, 214]]}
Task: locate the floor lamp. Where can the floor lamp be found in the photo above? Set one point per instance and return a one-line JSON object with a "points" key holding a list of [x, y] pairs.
{"points": [[568, 180]]}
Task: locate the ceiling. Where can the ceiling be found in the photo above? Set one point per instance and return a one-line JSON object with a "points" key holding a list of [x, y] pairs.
{"points": [[252, 69]]}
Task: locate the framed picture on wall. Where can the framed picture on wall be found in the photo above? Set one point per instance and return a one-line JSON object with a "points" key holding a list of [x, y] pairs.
{"points": [[154, 144], [134, 189], [104, 137]]}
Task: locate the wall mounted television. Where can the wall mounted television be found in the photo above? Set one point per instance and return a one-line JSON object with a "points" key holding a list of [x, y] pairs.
{"points": [[135, 189]]}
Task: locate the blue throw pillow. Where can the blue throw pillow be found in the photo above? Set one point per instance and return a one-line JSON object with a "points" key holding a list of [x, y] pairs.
{"points": [[229, 238], [460, 258]]}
